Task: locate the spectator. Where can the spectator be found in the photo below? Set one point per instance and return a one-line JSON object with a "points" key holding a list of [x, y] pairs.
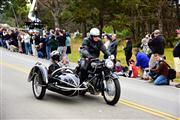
{"points": [[19, 38], [133, 70], [176, 54], [68, 46], [113, 47], [27, 44], [76, 34], [128, 50], [142, 60], [157, 45], [61, 38], [160, 70], [106, 41], [47, 39], [1, 37], [119, 69], [144, 45], [41, 48]]}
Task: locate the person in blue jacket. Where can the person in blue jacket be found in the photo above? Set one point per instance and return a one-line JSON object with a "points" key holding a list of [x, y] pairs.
{"points": [[142, 60]]}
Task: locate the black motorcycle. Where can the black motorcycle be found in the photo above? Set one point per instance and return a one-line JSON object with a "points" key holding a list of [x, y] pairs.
{"points": [[101, 79]]}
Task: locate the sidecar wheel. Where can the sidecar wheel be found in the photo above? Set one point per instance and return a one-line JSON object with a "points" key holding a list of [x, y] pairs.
{"points": [[112, 93], [38, 86]]}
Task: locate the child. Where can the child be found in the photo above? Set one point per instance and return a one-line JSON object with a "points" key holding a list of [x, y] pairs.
{"points": [[133, 70], [119, 69]]}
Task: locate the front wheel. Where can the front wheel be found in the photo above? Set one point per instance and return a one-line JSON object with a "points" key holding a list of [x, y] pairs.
{"points": [[38, 86], [112, 92]]}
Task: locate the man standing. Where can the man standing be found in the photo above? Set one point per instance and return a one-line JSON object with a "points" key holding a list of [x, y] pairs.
{"points": [[113, 47], [157, 45], [176, 54]]}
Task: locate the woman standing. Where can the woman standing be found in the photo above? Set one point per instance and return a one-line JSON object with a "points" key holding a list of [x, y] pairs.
{"points": [[128, 50]]}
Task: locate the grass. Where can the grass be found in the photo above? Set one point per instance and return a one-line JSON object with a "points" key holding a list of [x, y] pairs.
{"points": [[76, 43]]}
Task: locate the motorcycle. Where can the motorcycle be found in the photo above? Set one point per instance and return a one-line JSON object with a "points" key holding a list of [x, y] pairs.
{"points": [[65, 81]]}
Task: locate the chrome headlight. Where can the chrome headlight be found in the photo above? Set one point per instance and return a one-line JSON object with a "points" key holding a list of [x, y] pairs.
{"points": [[109, 63]]}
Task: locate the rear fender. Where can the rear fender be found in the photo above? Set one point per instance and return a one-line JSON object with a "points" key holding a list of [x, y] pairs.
{"points": [[35, 69]]}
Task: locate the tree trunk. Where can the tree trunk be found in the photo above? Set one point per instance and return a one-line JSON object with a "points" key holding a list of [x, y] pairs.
{"points": [[84, 30], [114, 29], [56, 20], [101, 22], [177, 13], [160, 22]]}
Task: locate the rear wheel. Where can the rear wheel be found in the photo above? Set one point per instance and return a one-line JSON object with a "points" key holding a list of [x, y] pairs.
{"points": [[38, 86], [112, 92]]}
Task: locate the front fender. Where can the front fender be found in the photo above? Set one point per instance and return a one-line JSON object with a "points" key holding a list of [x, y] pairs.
{"points": [[38, 67], [114, 76]]}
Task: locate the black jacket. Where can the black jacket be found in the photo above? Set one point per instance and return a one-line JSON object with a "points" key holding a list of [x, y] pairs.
{"points": [[157, 45], [128, 48], [176, 50], [61, 40], [92, 49]]}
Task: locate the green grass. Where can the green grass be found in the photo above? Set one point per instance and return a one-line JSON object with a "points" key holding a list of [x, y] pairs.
{"points": [[76, 43]]}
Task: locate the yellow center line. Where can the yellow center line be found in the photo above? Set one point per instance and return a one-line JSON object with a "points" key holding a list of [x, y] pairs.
{"points": [[149, 110], [122, 101], [21, 69]]}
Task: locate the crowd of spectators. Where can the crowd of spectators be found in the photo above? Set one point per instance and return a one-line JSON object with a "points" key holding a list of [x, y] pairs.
{"points": [[37, 43], [151, 62], [42, 43]]}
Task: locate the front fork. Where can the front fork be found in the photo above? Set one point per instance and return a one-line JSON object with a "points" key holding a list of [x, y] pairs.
{"points": [[112, 75], [104, 81]]}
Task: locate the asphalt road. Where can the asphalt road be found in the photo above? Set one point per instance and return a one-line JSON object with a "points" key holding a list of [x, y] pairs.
{"points": [[139, 99]]}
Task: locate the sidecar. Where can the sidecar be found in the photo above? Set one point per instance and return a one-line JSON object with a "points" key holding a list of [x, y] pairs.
{"points": [[62, 80]]}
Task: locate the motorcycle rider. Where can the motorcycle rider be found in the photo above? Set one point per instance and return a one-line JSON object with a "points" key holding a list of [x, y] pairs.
{"points": [[91, 48]]}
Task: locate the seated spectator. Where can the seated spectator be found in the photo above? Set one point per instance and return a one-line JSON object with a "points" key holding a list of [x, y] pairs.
{"points": [[119, 69], [160, 71], [142, 60], [133, 70]]}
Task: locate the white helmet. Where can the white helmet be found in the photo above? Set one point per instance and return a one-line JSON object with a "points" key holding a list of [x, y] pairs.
{"points": [[95, 32], [55, 52], [55, 56]]}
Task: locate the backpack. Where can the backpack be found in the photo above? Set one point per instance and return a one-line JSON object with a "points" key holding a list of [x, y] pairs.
{"points": [[171, 72]]}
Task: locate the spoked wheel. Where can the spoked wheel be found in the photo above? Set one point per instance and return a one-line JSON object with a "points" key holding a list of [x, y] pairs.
{"points": [[38, 86], [112, 92]]}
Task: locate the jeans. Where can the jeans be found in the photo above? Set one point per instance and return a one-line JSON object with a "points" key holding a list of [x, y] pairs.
{"points": [[48, 52], [28, 48], [161, 80], [40, 54]]}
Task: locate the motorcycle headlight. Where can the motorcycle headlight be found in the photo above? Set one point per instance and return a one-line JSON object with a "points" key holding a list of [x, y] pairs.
{"points": [[109, 64]]}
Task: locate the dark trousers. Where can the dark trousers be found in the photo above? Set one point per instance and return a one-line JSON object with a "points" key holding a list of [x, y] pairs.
{"points": [[83, 69], [128, 57]]}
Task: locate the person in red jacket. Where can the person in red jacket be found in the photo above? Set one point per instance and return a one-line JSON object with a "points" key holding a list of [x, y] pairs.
{"points": [[133, 69]]}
